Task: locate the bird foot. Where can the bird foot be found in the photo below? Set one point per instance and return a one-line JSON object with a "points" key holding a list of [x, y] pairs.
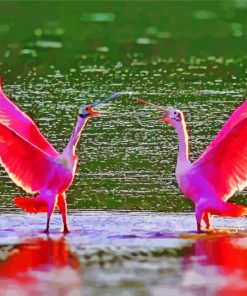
{"points": [[46, 231], [207, 230], [65, 230]]}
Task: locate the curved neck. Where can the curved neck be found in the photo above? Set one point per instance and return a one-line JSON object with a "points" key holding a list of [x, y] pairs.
{"points": [[73, 141], [183, 150]]}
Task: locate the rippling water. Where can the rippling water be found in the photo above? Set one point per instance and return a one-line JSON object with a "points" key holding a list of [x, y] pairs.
{"points": [[56, 56], [127, 158], [188, 55], [121, 253]]}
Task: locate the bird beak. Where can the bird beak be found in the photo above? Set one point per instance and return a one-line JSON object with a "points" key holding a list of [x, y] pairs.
{"points": [[148, 103], [165, 118], [93, 113]]}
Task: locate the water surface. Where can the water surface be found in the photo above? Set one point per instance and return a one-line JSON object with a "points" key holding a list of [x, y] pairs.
{"points": [[56, 56], [190, 55], [122, 253], [128, 158]]}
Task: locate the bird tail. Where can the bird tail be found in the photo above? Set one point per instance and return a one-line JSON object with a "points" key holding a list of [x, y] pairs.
{"points": [[30, 205], [230, 209]]}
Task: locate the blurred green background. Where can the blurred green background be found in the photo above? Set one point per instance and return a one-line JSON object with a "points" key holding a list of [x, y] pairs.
{"points": [[66, 33], [56, 55]]}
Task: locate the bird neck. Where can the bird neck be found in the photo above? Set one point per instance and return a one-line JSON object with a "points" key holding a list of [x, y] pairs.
{"points": [[183, 150], [73, 141]]}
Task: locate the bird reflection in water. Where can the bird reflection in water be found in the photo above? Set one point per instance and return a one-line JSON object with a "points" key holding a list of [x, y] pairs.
{"points": [[216, 265], [40, 267]]}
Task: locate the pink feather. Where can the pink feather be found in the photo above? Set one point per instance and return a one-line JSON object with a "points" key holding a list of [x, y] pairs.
{"points": [[33, 164], [27, 165], [12, 117], [219, 172]]}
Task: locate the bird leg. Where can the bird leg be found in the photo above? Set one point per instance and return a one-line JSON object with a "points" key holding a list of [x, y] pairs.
{"points": [[200, 210], [47, 225], [51, 199], [202, 213], [62, 205], [207, 220]]}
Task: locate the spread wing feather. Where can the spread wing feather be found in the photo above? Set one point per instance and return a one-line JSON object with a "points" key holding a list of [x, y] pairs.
{"points": [[224, 164], [239, 114], [12, 117], [27, 165]]}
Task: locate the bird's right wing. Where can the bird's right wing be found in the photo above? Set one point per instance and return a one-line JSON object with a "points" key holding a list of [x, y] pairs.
{"points": [[12, 117], [27, 165]]}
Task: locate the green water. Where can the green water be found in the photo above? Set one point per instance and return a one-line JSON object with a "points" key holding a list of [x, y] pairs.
{"points": [[55, 56]]}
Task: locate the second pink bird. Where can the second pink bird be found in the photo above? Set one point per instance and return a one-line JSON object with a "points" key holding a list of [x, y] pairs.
{"points": [[219, 172]]}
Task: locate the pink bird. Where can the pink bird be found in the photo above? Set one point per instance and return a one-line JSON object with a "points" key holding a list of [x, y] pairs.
{"points": [[219, 172], [32, 162]]}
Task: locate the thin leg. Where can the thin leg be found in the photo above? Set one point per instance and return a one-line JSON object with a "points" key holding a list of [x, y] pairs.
{"points": [[62, 205], [199, 214], [47, 224], [51, 199], [207, 220]]}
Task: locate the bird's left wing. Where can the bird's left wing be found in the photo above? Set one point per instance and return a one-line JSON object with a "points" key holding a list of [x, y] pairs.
{"points": [[239, 114], [224, 165], [14, 118], [28, 166]]}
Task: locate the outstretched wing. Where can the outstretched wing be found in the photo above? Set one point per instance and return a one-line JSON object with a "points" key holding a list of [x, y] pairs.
{"points": [[12, 117], [27, 165], [239, 114], [224, 163]]}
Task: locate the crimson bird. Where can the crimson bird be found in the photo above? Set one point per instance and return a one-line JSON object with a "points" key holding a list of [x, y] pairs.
{"points": [[219, 172], [34, 164]]}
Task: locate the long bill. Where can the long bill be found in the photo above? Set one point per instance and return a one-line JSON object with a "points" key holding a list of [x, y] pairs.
{"points": [[151, 104], [105, 100]]}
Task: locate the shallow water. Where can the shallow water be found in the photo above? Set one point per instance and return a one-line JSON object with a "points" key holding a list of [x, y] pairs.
{"points": [[121, 253]]}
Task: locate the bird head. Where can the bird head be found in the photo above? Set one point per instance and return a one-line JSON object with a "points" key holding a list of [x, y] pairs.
{"points": [[170, 116], [87, 111]]}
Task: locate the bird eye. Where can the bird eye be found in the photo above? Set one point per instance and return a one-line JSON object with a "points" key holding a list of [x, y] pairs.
{"points": [[175, 112]]}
